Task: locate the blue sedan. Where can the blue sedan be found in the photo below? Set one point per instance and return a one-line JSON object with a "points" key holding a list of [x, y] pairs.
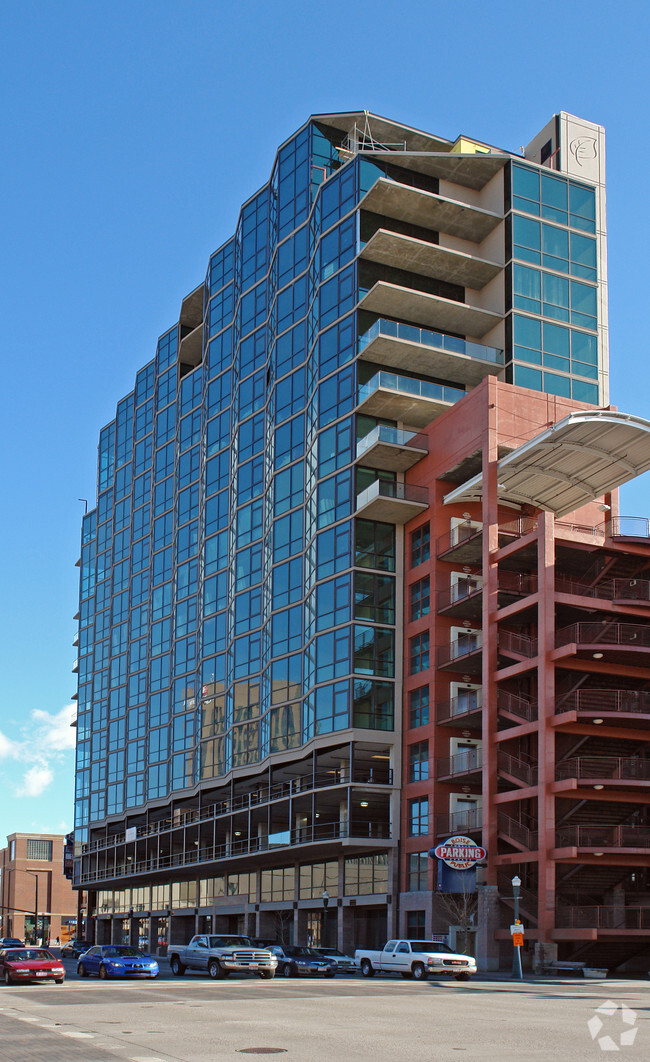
{"points": [[116, 960]]}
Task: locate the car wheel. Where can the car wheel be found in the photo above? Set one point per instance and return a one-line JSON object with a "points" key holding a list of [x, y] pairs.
{"points": [[8, 980], [58, 980], [419, 972], [329, 973], [81, 970], [287, 970], [267, 974], [177, 966], [103, 972], [462, 977], [215, 970], [366, 968]]}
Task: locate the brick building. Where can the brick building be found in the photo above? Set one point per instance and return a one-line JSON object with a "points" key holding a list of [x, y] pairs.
{"points": [[34, 887]]}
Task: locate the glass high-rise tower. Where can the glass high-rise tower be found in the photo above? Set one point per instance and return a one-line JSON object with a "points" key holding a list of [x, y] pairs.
{"points": [[241, 604]]}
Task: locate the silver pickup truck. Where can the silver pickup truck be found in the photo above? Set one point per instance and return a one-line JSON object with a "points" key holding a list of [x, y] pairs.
{"points": [[219, 955]]}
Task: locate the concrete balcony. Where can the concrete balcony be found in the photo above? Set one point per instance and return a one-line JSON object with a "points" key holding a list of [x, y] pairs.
{"points": [[391, 449], [429, 259], [436, 212], [464, 711], [431, 311], [404, 398], [421, 350], [392, 503], [462, 655]]}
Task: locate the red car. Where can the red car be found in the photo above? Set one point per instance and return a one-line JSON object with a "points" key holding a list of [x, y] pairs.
{"points": [[30, 964]]}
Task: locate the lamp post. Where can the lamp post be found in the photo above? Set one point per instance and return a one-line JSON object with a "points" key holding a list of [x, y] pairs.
{"points": [[326, 900], [34, 874], [516, 958]]}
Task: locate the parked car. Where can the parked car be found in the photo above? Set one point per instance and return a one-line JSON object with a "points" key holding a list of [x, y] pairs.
{"points": [[74, 948], [296, 961], [343, 963], [116, 960], [18, 965], [416, 958], [219, 955], [11, 942]]}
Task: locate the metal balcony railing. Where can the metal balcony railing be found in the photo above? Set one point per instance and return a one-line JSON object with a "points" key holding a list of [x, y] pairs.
{"points": [[519, 644], [464, 704], [632, 634], [461, 763], [608, 589], [616, 768], [637, 701], [456, 650], [467, 820], [526, 773], [516, 705], [517, 831], [603, 917], [606, 836], [375, 775], [427, 338], [409, 385], [387, 488], [322, 831], [383, 433], [459, 591], [628, 527]]}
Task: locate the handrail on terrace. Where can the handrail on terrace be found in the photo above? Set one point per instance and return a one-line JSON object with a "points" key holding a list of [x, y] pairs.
{"points": [[584, 835], [609, 589], [436, 340], [630, 768], [637, 701], [628, 527], [633, 634], [384, 433], [603, 917], [410, 385]]}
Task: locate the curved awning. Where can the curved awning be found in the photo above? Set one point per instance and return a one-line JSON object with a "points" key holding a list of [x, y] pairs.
{"points": [[580, 458]]}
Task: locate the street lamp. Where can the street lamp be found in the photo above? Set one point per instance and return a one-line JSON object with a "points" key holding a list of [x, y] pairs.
{"points": [[516, 958], [326, 900]]}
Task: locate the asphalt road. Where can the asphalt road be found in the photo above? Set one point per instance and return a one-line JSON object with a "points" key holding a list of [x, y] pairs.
{"points": [[192, 1019]]}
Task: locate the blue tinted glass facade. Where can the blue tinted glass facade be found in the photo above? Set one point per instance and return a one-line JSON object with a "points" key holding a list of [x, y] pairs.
{"points": [[552, 284], [223, 617]]}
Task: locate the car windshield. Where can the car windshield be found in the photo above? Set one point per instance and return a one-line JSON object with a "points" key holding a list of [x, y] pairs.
{"points": [[28, 955], [230, 942], [302, 952], [429, 945], [121, 950]]}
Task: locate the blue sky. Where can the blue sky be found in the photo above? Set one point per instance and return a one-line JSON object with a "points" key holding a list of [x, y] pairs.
{"points": [[132, 132]]}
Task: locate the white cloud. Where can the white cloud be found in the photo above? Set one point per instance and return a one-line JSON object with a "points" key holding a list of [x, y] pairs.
{"points": [[54, 731], [8, 748], [35, 781]]}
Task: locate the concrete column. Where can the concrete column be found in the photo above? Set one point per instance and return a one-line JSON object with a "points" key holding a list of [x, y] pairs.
{"points": [[347, 943], [487, 947], [545, 713]]}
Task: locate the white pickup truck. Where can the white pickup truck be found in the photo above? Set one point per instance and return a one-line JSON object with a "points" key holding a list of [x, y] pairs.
{"points": [[415, 958], [221, 954]]}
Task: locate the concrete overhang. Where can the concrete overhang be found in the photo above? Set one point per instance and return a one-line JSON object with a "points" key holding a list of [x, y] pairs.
{"points": [[396, 353], [471, 171], [582, 457], [432, 311], [429, 259], [416, 207]]}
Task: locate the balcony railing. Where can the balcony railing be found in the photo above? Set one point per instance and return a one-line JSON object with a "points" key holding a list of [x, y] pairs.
{"points": [[523, 772], [464, 704], [517, 644], [408, 385], [375, 775], [462, 763], [517, 832], [383, 433], [616, 768], [457, 650], [606, 836], [387, 488], [632, 634], [608, 589], [634, 701], [427, 338], [459, 591], [461, 533], [516, 705], [467, 820], [325, 831], [628, 527], [610, 917]]}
